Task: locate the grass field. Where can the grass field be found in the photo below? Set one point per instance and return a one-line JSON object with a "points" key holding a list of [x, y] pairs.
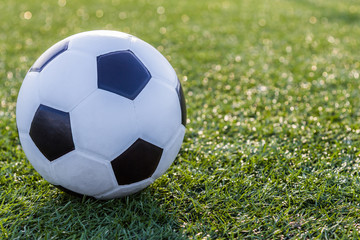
{"points": [[273, 136]]}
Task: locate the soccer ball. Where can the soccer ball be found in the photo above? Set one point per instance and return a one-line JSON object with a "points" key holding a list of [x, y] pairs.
{"points": [[102, 114]]}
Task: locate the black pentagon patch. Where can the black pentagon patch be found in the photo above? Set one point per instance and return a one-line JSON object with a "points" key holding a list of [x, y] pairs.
{"points": [[49, 55], [122, 73], [51, 132], [181, 96], [137, 163]]}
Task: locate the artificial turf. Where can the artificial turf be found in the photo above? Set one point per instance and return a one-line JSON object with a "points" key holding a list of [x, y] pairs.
{"points": [[273, 131]]}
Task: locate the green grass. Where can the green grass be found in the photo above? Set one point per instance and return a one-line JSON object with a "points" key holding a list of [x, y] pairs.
{"points": [[273, 137]]}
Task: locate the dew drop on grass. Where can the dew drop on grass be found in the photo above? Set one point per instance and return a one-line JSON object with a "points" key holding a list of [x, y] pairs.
{"points": [[27, 15], [62, 3]]}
